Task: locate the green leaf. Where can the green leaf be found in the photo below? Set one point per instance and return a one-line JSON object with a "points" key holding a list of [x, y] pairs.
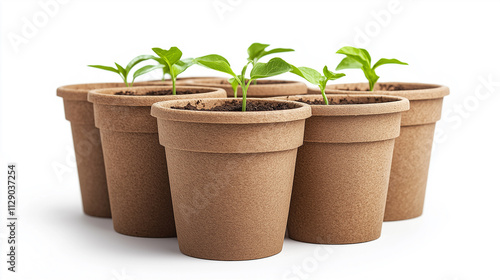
{"points": [[158, 59], [138, 59], [330, 76], [215, 62], [255, 50], [122, 70], [274, 67], [277, 50], [371, 76], [182, 65], [234, 84], [383, 61], [311, 75], [166, 69], [146, 69], [169, 57], [349, 63], [107, 68], [360, 55], [367, 56]]}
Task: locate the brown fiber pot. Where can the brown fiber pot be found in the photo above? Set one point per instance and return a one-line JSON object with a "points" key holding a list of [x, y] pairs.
{"points": [[231, 176], [412, 151], [342, 172], [263, 88], [135, 161], [87, 144]]}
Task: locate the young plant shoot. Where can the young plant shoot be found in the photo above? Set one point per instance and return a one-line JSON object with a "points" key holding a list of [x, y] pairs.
{"points": [[124, 72], [315, 78], [260, 70], [172, 63], [360, 59], [256, 51]]}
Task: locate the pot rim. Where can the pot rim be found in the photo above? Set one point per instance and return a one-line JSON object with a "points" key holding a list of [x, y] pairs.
{"points": [[391, 104], [276, 82], [106, 96], [163, 110], [80, 91], [425, 91]]}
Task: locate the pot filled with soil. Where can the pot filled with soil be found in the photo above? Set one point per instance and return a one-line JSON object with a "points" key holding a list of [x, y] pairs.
{"points": [[412, 151], [231, 173], [342, 170], [87, 145], [259, 88], [134, 159]]}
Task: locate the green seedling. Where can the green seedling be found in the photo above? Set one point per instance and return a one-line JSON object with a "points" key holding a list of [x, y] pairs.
{"points": [[256, 51], [172, 63], [315, 78], [360, 59], [124, 72], [260, 70]]}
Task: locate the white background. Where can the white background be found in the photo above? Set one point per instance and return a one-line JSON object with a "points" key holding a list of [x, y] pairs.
{"points": [[455, 43]]}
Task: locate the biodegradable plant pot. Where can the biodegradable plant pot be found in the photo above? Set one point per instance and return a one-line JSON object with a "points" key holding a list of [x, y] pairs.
{"points": [[87, 144], [134, 159], [412, 151], [263, 88], [342, 171], [231, 176]]}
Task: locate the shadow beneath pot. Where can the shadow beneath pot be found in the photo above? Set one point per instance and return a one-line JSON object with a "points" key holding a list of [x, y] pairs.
{"points": [[97, 234]]}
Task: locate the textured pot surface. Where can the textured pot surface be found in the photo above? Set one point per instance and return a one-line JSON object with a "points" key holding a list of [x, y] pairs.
{"points": [[342, 172], [88, 149], [263, 88], [135, 161], [231, 176], [412, 151]]}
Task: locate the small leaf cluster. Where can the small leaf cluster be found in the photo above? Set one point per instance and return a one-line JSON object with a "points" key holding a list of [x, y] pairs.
{"points": [[361, 59], [124, 72], [256, 51], [171, 63], [315, 78]]}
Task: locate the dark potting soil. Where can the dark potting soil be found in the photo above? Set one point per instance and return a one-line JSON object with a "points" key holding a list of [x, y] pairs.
{"points": [[260, 82], [344, 101], [235, 106], [352, 89], [389, 87], [159, 92], [382, 87]]}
